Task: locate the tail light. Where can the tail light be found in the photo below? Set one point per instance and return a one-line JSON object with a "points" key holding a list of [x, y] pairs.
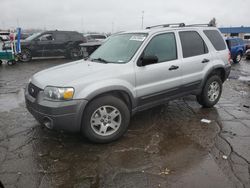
{"points": [[229, 58]]}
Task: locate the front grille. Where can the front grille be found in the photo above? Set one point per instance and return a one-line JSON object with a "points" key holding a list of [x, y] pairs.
{"points": [[33, 90]]}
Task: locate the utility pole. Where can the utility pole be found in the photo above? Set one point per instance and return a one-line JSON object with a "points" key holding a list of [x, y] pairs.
{"points": [[17, 22], [142, 19], [82, 24], [112, 27]]}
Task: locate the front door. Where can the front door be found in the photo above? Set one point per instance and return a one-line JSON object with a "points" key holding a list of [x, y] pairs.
{"points": [[164, 78], [44, 46]]}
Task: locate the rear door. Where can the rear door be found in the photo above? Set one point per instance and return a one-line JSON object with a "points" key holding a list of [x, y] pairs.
{"points": [[160, 80], [60, 43], [195, 58]]}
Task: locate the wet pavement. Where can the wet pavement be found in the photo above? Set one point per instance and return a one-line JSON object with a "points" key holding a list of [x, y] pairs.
{"points": [[167, 146]]}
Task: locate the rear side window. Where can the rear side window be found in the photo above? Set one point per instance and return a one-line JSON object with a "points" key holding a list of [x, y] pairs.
{"points": [[162, 46], [192, 44], [61, 36], [234, 42], [75, 36], [216, 39], [240, 41]]}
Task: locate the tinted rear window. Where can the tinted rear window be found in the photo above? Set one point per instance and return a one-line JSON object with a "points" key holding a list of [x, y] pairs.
{"points": [[75, 36], [216, 39], [192, 44], [61, 36]]}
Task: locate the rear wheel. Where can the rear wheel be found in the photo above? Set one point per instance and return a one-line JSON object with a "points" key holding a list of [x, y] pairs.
{"points": [[74, 53], [25, 55], [105, 119], [211, 92]]}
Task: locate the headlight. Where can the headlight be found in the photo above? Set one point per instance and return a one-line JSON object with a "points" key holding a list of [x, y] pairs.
{"points": [[59, 93]]}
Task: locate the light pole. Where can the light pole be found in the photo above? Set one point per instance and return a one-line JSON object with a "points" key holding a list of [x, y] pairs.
{"points": [[112, 27], [142, 19]]}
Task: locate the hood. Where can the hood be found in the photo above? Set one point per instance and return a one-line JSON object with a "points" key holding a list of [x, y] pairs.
{"points": [[68, 74]]}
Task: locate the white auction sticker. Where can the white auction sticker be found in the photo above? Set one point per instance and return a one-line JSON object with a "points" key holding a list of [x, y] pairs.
{"points": [[138, 38]]}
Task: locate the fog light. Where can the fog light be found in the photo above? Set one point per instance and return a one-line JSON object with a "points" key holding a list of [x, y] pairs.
{"points": [[47, 122]]}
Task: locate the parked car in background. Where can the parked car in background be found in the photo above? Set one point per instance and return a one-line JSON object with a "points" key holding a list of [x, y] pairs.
{"points": [[95, 37], [25, 35], [247, 44], [4, 36], [89, 47], [51, 44], [237, 48], [130, 72]]}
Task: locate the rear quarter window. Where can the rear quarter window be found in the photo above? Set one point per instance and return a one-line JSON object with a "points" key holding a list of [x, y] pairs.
{"points": [[216, 39], [192, 44]]}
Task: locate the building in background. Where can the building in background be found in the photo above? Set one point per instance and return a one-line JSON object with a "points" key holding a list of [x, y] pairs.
{"points": [[242, 32]]}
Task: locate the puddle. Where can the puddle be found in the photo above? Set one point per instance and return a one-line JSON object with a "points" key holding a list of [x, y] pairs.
{"points": [[244, 78], [10, 101]]}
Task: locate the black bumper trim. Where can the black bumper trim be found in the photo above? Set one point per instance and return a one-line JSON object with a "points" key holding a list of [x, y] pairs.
{"points": [[65, 115]]}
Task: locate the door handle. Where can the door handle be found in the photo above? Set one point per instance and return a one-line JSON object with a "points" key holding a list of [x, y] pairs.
{"points": [[173, 67], [205, 60]]}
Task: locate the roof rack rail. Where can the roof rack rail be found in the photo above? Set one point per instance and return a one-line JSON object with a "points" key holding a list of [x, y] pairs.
{"points": [[205, 25], [167, 25]]}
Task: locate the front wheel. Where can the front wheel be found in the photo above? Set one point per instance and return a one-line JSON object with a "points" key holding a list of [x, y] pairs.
{"points": [[238, 58], [11, 62], [25, 55], [211, 92], [105, 119]]}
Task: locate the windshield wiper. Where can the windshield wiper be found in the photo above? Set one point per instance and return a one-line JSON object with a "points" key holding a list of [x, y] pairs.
{"points": [[100, 60]]}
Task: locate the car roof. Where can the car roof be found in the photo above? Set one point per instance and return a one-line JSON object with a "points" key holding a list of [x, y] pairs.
{"points": [[162, 29], [57, 31]]}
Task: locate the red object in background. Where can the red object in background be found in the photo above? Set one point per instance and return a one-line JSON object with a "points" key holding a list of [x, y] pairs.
{"points": [[12, 36]]}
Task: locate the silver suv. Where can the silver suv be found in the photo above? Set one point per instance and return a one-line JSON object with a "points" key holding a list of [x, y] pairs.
{"points": [[132, 71]]}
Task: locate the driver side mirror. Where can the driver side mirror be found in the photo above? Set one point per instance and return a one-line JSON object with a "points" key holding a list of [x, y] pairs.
{"points": [[147, 60]]}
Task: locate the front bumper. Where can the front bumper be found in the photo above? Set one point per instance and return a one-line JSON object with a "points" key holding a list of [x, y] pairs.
{"points": [[247, 53], [58, 115]]}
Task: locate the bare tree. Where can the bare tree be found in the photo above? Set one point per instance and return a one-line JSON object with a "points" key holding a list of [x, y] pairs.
{"points": [[213, 22]]}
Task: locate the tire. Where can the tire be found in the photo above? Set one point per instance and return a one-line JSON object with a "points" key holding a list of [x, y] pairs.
{"points": [[237, 58], [211, 92], [25, 55], [74, 54], [1, 62], [11, 62], [105, 119]]}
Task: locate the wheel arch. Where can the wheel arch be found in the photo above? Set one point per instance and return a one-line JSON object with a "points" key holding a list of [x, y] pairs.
{"points": [[219, 70], [122, 94]]}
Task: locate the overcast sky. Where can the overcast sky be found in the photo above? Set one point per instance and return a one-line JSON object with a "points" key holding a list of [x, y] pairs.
{"points": [[98, 15]]}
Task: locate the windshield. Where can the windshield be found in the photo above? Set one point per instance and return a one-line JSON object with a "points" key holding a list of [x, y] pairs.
{"points": [[32, 36], [119, 48]]}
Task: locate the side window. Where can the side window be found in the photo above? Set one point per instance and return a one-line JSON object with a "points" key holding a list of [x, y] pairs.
{"points": [[61, 36], [234, 42], [192, 44], [46, 37], [162, 46], [216, 39]]}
